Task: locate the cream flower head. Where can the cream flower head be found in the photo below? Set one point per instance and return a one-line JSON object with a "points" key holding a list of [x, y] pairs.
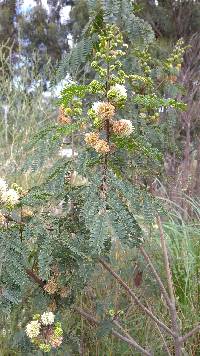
{"points": [[123, 127], [33, 329], [102, 147], [10, 197], [91, 138], [47, 318], [104, 109], [120, 90], [117, 93]]}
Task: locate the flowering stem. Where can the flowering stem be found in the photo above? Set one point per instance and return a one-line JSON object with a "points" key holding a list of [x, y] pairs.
{"points": [[107, 128]]}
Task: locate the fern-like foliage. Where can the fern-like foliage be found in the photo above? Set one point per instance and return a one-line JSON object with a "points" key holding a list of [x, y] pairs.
{"points": [[54, 233]]}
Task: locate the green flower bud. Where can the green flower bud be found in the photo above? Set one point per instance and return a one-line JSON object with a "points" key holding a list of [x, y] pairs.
{"points": [[45, 347], [58, 324], [68, 111], [36, 316], [97, 122], [111, 312], [78, 111], [94, 64], [96, 87], [91, 113]]}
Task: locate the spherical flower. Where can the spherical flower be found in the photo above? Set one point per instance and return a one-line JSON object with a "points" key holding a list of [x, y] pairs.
{"points": [[51, 287], [33, 329], [91, 138], [26, 213], [56, 341], [10, 197], [102, 147], [117, 93], [58, 331], [123, 127], [64, 291], [47, 318], [3, 185], [120, 90], [104, 110], [143, 115]]}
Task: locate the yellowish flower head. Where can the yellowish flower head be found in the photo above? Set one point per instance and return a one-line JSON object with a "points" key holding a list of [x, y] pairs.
{"points": [[104, 110], [123, 127]]}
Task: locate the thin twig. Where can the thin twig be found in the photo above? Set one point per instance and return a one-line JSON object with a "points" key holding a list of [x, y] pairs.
{"points": [[163, 339], [190, 333], [173, 312], [129, 340], [135, 298], [122, 329], [158, 279]]}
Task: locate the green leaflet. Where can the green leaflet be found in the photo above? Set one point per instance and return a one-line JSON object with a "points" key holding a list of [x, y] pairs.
{"points": [[124, 224]]}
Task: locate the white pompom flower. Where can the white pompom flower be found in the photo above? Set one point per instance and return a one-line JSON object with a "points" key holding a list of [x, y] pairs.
{"points": [[120, 90], [47, 318], [10, 197], [33, 329], [117, 93], [3, 185]]}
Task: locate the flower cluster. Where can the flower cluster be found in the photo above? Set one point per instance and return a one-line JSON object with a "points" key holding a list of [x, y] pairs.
{"points": [[118, 94], [123, 127], [33, 329], [104, 110], [8, 197], [102, 147], [44, 332], [92, 139], [53, 285]]}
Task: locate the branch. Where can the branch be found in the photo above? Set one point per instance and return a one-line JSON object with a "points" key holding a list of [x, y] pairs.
{"points": [[173, 312], [35, 278], [129, 340], [163, 339], [135, 298], [190, 333], [153, 270]]}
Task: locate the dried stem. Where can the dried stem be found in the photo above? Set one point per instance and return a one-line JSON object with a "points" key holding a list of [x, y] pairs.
{"points": [[135, 298], [173, 312]]}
